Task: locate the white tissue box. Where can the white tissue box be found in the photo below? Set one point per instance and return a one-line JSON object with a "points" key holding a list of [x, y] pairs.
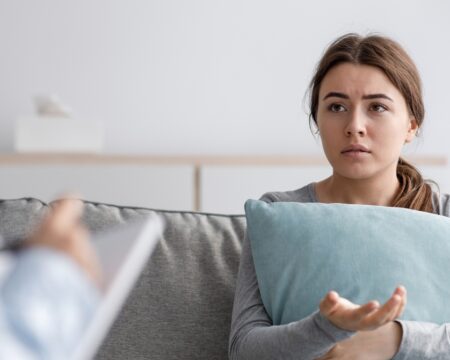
{"points": [[58, 134]]}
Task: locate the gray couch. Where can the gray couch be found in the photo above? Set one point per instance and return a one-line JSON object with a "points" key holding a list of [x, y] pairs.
{"points": [[181, 305]]}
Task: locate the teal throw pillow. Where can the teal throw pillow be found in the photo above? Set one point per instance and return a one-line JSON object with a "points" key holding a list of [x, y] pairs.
{"points": [[303, 250]]}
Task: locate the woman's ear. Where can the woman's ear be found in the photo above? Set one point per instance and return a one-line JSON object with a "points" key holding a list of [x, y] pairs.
{"points": [[412, 130]]}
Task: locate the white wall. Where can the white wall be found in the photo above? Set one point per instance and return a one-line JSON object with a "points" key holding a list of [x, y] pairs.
{"points": [[159, 187], [211, 76]]}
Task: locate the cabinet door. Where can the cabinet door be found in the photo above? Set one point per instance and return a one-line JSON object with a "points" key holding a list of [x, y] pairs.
{"points": [[162, 187], [226, 188]]}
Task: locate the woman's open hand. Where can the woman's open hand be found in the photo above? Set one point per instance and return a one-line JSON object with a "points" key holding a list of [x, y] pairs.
{"points": [[370, 316]]}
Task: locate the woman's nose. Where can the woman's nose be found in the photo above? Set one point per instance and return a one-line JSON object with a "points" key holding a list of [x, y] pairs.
{"points": [[356, 125]]}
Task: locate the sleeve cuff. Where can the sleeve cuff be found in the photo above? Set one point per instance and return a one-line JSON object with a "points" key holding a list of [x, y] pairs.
{"points": [[401, 353], [333, 332]]}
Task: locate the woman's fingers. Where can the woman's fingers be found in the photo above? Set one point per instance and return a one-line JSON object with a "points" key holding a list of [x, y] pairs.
{"points": [[389, 311], [366, 309], [329, 303], [404, 294], [347, 315]]}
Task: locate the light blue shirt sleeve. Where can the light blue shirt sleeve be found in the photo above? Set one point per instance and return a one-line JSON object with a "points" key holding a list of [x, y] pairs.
{"points": [[46, 302]]}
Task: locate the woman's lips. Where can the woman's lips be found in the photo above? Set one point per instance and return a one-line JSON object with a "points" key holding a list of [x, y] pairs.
{"points": [[356, 147], [355, 153]]}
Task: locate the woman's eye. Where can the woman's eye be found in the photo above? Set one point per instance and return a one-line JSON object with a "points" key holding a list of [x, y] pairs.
{"points": [[336, 108], [379, 108]]}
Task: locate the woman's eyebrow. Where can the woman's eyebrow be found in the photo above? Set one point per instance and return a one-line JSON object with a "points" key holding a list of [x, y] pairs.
{"points": [[365, 97], [375, 96], [336, 94]]}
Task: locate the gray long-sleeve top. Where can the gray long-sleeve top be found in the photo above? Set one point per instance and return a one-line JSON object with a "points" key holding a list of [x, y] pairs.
{"points": [[253, 336]]}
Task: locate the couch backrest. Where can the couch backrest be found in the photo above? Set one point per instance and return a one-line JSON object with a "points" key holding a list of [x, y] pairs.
{"points": [[181, 305], [17, 218]]}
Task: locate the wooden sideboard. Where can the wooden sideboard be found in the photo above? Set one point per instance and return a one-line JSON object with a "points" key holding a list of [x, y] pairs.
{"points": [[201, 183]]}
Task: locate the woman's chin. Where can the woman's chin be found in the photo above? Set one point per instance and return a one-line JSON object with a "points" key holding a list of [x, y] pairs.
{"points": [[354, 173]]}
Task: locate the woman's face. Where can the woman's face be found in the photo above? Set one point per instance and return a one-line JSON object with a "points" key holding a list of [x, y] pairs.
{"points": [[358, 106]]}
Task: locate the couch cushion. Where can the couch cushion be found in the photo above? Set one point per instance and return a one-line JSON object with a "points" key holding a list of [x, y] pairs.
{"points": [[18, 217], [181, 305], [303, 250]]}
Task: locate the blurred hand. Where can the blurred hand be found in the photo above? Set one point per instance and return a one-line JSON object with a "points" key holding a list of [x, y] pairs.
{"points": [[349, 316], [62, 230]]}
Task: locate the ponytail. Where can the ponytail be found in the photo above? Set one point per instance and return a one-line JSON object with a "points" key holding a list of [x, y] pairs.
{"points": [[415, 193]]}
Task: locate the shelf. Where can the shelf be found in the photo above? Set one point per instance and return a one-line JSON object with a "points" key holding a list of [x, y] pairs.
{"points": [[194, 160], [192, 168]]}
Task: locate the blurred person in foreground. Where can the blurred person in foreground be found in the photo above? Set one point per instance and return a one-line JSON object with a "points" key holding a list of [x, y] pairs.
{"points": [[52, 289]]}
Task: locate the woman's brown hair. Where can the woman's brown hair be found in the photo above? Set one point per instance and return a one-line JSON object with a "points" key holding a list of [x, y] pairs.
{"points": [[387, 55]]}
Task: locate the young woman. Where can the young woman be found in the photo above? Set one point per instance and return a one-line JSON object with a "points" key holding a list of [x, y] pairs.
{"points": [[366, 103]]}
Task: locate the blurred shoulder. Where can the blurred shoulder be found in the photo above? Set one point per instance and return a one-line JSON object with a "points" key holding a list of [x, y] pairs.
{"points": [[441, 203], [303, 194]]}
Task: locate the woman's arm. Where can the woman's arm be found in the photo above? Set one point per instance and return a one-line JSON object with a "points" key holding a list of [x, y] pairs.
{"points": [[424, 340], [253, 335]]}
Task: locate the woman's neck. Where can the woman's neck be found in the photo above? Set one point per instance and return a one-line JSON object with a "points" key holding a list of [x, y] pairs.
{"points": [[337, 189]]}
